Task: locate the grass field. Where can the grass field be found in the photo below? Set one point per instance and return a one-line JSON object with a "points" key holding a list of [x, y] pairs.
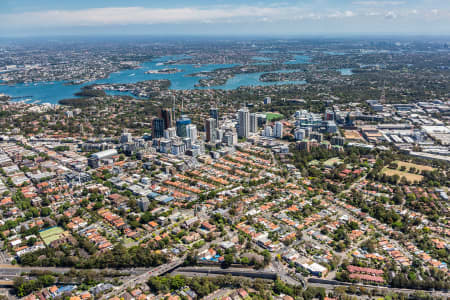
{"points": [[271, 116], [409, 165], [330, 163], [51, 234], [409, 176]]}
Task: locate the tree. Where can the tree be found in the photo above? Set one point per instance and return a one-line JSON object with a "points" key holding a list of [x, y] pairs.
{"points": [[228, 260]]}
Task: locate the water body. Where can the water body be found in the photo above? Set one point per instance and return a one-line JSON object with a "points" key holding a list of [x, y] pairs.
{"points": [[261, 58], [299, 59], [52, 92], [346, 72], [334, 53], [252, 78], [269, 51]]}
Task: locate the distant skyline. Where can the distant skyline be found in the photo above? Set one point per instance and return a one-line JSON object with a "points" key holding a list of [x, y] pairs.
{"points": [[220, 17]]}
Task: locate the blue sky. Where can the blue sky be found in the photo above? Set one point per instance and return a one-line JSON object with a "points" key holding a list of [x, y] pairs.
{"points": [[220, 17]]}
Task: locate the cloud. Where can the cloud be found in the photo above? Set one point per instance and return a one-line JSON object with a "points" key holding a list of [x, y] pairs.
{"points": [[146, 16], [390, 15], [368, 11], [137, 15], [378, 3]]}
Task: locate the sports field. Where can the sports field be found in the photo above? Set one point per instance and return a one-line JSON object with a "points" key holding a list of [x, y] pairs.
{"points": [[409, 176], [272, 116], [51, 234]]}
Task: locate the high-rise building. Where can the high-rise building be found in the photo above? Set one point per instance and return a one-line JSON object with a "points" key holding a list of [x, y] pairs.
{"points": [[214, 113], [191, 131], [143, 204], [329, 115], [244, 122], [268, 131], [178, 148], [316, 136], [170, 133], [253, 123], [219, 134], [210, 129], [166, 115], [181, 126], [126, 137], [187, 143], [278, 132], [261, 119], [331, 127], [299, 134], [158, 128], [267, 100], [304, 145], [230, 138], [337, 140]]}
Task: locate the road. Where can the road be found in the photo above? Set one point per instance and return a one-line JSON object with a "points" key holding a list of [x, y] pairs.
{"points": [[219, 294], [16, 270], [4, 259], [143, 278], [331, 284], [283, 274]]}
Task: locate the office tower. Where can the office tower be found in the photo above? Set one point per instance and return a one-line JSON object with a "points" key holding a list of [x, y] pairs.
{"points": [[187, 143], [178, 148], [170, 133], [191, 131], [299, 134], [253, 123], [165, 146], [126, 137], [329, 115], [210, 130], [166, 115], [181, 126], [244, 122], [267, 100], [158, 128], [230, 138], [331, 127], [214, 113], [278, 130]]}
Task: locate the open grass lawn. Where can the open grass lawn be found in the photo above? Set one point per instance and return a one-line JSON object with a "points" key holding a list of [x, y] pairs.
{"points": [[51, 234], [330, 163], [409, 176], [409, 165], [271, 116]]}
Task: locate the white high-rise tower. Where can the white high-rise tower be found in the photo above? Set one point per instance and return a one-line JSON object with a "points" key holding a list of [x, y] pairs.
{"points": [[244, 122]]}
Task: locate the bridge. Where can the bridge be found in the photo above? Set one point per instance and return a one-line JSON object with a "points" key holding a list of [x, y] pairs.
{"points": [[143, 278], [232, 271]]}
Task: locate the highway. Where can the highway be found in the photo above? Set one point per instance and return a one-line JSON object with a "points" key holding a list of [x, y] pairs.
{"points": [[331, 284], [16, 270], [143, 278], [233, 271]]}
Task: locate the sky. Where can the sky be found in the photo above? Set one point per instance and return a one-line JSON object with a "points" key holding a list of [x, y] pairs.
{"points": [[223, 17]]}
